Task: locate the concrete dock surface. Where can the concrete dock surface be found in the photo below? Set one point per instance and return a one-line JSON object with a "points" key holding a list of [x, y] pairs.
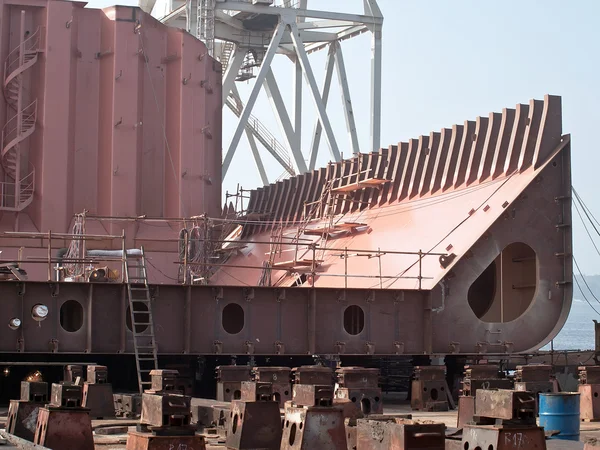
{"points": [[216, 442]]}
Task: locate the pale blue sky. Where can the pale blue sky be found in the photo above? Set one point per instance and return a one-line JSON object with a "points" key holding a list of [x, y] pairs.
{"points": [[448, 61]]}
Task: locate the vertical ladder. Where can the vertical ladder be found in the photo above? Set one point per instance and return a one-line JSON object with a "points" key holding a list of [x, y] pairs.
{"points": [[142, 324]]}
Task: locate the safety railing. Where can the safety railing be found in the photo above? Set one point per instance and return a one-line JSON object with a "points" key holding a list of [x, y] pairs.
{"points": [[16, 57], [312, 256]]}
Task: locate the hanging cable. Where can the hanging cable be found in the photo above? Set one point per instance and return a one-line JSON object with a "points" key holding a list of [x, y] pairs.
{"points": [[585, 282], [583, 295], [586, 228], [586, 210]]}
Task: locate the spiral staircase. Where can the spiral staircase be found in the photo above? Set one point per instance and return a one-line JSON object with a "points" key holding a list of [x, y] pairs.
{"points": [[17, 189]]}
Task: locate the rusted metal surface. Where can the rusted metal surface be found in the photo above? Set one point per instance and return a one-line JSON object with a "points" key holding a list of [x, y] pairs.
{"points": [[503, 438], [166, 410], [430, 373], [66, 395], [254, 425], [71, 372], [505, 404], [357, 377], [64, 429], [98, 398], [368, 401], [307, 428], [255, 391], [589, 401], [533, 372], [589, 374], [229, 381], [483, 376], [34, 391], [466, 410], [97, 374], [280, 378], [429, 390], [22, 418], [399, 434], [313, 375], [127, 405], [207, 413], [312, 395], [19, 443], [147, 441], [361, 386], [164, 381]]}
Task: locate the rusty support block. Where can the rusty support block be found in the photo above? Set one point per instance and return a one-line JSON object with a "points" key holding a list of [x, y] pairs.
{"points": [[207, 413], [358, 378], [589, 402], [164, 381], [148, 441], [71, 372], [429, 395], [503, 438], [22, 418], [229, 381], [256, 391], [466, 410], [66, 395], [34, 391], [166, 410], [399, 434], [98, 398], [97, 374], [313, 375], [313, 427], [368, 401], [64, 428], [254, 425], [534, 372], [505, 405], [280, 378], [430, 373], [589, 375], [127, 405], [312, 395]]}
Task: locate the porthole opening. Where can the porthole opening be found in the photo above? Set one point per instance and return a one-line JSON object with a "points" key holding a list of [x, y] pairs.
{"points": [[233, 318], [142, 317], [354, 320], [506, 288], [71, 316]]}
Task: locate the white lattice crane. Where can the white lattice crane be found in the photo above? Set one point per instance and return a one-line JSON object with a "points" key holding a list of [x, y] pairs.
{"points": [[246, 35]]}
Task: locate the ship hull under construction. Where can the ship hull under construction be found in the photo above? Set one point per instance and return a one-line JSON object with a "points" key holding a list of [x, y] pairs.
{"points": [[459, 246]]}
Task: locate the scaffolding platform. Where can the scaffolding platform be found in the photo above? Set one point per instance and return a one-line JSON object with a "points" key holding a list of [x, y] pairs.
{"points": [[366, 183]]}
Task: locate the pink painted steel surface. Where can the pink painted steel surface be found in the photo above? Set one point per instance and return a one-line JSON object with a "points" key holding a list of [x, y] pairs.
{"points": [[481, 177], [128, 117]]}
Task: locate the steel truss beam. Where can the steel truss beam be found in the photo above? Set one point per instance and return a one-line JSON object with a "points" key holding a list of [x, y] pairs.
{"points": [[300, 32]]}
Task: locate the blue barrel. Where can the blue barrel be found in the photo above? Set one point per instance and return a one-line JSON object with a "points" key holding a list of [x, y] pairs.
{"points": [[560, 412]]}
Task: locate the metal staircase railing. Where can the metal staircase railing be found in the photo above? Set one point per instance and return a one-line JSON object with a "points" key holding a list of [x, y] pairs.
{"points": [[264, 136], [226, 52], [17, 194]]}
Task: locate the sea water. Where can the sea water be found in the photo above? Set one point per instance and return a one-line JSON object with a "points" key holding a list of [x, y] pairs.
{"points": [[578, 332]]}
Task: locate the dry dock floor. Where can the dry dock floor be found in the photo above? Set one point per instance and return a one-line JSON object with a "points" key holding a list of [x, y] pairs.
{"points": [[117, 442]]}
